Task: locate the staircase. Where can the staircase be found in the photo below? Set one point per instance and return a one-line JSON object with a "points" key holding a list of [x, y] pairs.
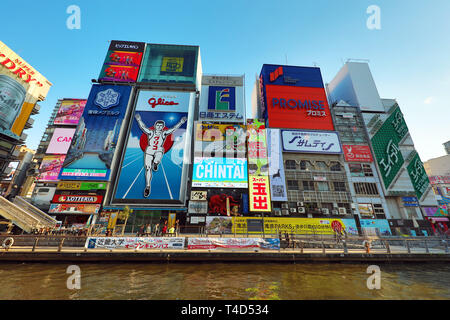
{"points": [[24, 215]]}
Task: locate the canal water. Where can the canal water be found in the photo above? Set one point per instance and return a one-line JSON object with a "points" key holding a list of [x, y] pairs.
{"points": [[229, 281]]}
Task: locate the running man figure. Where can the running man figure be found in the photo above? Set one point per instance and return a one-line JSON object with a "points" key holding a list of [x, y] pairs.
{"points": [[154, 150]]}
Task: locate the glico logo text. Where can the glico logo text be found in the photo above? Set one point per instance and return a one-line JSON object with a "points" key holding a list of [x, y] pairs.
{"points": [[298, 104]]}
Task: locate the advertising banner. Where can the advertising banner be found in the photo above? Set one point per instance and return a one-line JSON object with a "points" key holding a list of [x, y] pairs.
{"points": [[159, 243], [440, 179], [61, 141], [218, 225], [74, 208], [95, 139], [259, 193], [199, 207], [292, 76], [366, 209], [419, 177], [278, 191], [13, 165], [375, 227], [153, 164], [311, 141], [74, 185], [258, 164], [217, 140], [233, 243], [222, 99], [122, 61], [50, 168], [199, 195], [357, 153], [82, 198], [70, 112], [313, 226], [435, 212], [220, 172]]}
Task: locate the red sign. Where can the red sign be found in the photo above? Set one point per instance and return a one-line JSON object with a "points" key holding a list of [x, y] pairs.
{"points": [[440, 179], [355, 153], [59, 198], [161, 102], [298, 108]]}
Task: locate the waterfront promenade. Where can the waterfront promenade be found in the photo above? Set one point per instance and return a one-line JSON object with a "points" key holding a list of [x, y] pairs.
{"points": [[31, 248]]}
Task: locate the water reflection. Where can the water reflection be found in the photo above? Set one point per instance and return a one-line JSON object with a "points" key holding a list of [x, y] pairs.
{"points": [[225, 281]]}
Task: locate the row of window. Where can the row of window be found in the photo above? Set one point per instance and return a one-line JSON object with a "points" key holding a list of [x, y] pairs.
{"points": [[361, 188], [307, 165]]}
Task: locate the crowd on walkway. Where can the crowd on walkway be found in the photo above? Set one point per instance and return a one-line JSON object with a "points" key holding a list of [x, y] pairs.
{"points": [[159, 230]]}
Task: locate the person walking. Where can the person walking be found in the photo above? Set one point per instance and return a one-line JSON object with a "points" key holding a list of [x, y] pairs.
{"points": [[177, 227], [156, 231], [164, 230]]}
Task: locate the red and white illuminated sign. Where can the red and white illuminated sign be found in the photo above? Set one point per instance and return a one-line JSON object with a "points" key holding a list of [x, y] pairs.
{"points": [[298, 108], [355, 153], [59, 198], [259, 194], [61, 140]]}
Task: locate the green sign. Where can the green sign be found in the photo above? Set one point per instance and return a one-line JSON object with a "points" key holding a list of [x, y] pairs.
{"points": [[385, 146], [418, 176]]}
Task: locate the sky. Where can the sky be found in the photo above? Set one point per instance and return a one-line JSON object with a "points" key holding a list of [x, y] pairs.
{"points": [[408, 55]]}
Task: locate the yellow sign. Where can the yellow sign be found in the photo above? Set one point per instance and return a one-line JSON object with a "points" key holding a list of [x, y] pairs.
{"points": [[112, 220], [69, 185], [171, 220], [172, 64], [259, 193], [298, 225]]}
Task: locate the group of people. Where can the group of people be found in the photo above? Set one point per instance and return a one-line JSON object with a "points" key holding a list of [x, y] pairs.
{"points": [[157, 230], [60, 231]]}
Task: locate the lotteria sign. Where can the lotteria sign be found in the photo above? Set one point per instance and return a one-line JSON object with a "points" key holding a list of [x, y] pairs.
{"points": [[220, 173], [58, 198]]}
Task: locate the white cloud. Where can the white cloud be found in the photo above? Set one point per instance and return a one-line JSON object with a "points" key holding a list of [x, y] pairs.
{"points": [[429, 100]]}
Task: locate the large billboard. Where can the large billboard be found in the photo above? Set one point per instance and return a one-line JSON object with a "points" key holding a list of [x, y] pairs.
{"points": [[74, 208], [70, 112], [122, 61], [259, 194], [278, 189], [50, 168], [61, 140], [220, 140], [357, 153], [294, 97], [153, 165], [311, 141], [222, 99], [21, 86], [419, 177], [94, 143], [385, 146], [220, 172]]}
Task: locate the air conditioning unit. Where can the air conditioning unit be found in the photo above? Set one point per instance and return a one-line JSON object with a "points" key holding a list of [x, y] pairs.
{"points": [[334, 212], [325, 211], [284, 205], [299, 204], [278, 213], [292, 210], [342, 211], [285, 212], [301, 210]]}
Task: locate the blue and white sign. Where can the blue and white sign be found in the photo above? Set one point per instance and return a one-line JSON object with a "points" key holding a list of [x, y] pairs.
{"points": [[371, 226], [220, 173], [311, 141]]}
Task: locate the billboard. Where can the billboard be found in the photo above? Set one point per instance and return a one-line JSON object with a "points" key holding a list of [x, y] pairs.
{"points": [[95, 139], [278, 191], [233, 243], [220, 172], [122, 61], [312, 226], [134, 243], [376, 227], [74, 208], [153, 165], [77, 198], [75, 185], [259, 194], [311, 141], [222, 99], [220, 140], [61, 140], [258, 164], [357, 153], [70, 112], [21, 86], [50, 168], [292, 76], [419, 177], [13, 165]]}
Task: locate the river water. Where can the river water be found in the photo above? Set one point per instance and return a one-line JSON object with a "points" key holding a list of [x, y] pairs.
{"points": [[224, 281]]}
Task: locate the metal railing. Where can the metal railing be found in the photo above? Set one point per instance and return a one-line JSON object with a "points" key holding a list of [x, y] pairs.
{"points": [[18, 216], [44, 218]]}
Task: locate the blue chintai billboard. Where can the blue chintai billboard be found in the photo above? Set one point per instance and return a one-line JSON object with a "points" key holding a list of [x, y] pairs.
{"points": [[94, 142], [153, 168]]}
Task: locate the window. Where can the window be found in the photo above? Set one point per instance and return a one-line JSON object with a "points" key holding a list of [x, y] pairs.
{"points": [[365, 188], [308, 185], [290, 165], [339, 186], [306, 165], [321, 166], [367, 170], [323, 186], [360, 170], [292, 185], [335, 166]]}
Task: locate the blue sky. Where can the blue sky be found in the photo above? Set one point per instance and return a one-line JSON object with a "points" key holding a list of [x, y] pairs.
{"points": [[409, 56]]}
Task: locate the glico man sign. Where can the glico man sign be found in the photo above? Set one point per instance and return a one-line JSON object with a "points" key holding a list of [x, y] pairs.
{"points": [[295, 98]]}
